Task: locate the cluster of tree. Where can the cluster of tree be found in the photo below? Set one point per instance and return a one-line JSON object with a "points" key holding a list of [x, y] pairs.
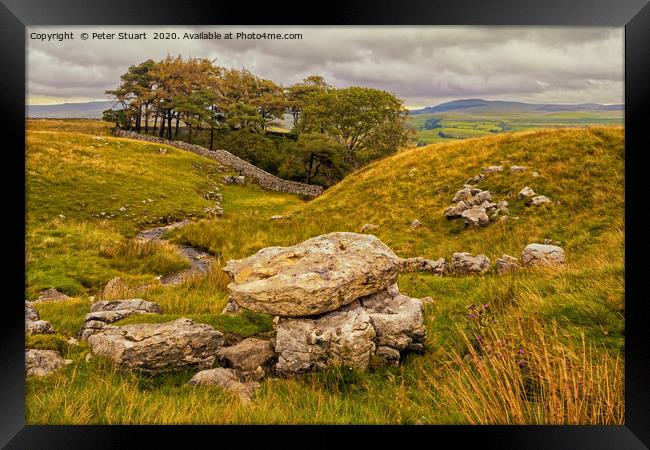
{"points": [[333, 130]]}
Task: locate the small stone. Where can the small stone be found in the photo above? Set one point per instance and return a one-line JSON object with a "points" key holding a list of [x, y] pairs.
{"points": [[539, 200], [228, 379], [388, 355], [247, 354], [416, 224], [51, 294], [535, 174], [492, 169], [517, 169], [525, 193], [419, 264], [38, 327], [231, 179], [506, 264], [542, 255], [463, 263], [368, 227], [453, 212], [122, 209], [231, 307], [277, 217], [475, 217], [476, 179], [98, 138]]}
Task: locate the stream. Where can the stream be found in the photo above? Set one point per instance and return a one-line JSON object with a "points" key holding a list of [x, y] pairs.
{"points": [[200, 261]]}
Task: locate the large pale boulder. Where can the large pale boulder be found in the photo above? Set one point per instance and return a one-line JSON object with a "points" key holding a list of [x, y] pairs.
{"points": [[316, 276], [383, 324], [542, 255], [158, 346], [39, 363], [463, 263]]}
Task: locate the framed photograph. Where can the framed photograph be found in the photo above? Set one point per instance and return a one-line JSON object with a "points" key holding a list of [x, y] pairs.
{"points": [[414, 216]]}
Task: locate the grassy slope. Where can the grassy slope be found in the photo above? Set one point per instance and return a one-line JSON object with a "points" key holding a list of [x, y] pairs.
{"points": [[581, 168]]}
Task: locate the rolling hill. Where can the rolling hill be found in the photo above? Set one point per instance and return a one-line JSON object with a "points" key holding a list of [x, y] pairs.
{"points": [[495, 106], [89, 110]]}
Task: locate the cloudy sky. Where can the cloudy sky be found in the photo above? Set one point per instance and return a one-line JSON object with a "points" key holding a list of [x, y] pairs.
{"points": [[422, 65]]}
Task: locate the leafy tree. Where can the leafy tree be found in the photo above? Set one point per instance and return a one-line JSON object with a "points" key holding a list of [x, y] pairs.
{"points": [[117, 116], [296, 95], [317, 154]]}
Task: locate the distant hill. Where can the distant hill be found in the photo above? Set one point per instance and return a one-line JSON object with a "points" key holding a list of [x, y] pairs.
{"points": [[483, 106], [89, 110]]}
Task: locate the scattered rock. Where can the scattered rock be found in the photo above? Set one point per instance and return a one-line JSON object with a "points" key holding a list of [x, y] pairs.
{"points": [[480, 197], [115, 288], [517, 169], [369, 227], [453, 212], [227, 379], [503, 219], [502, 206], [51, 294], [247, 355], [30, 312], [232, 179], [539, 200], [526, 193], [418, 264], [416, 224], [316, 276], [552, 242], [475, 216], [535, 174], [39, 363], [542, 255], [277, 217], [161, 151], [105, 312], [476, 179], [38, 327], [464, 263], [492, 169], [158, 346], [98, 138], [506, 264], [122, 209], [216, 210]]}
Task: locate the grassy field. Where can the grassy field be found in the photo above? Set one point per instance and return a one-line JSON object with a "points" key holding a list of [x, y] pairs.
{"points": [[465, 124], [553, 341]]}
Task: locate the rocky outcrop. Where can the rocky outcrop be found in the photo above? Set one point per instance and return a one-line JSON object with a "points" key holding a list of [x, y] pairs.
{"points": [[383, 324], [316, 276], [242, 167], [39, 363], [418, 264], [475, 216], [543, 255], [106, 312], [464, 263], [492, 169], [506, 264], [33, 324], [158, 346], [229, 380], [51, 294]]}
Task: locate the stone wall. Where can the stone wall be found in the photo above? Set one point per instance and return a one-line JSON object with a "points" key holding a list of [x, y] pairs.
{"points": [[242, 167]]}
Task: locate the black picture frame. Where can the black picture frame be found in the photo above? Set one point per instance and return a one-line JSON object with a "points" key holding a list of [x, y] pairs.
{"points": [[634, 15]]}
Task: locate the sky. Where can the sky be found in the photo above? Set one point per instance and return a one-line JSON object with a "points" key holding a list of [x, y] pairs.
{"points": [[424, 66]]}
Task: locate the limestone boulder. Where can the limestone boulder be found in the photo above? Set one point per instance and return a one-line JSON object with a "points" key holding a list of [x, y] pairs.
{"points": [[418, 264], [51, 294], [543, 255], [39, 363], [525, 193], [229, 380], [475, 216], [316, 276], [518, 169], [158, 346], [108, 311], [453, 212], [384, 325], [492, 169], [539, 200], [463, 263], [506, 264], [247, 355]]}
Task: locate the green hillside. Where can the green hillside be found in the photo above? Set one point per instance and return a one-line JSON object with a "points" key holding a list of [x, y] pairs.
{"points": [[568, 323]]}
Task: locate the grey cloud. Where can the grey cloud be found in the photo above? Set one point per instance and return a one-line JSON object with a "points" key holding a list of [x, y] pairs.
{"points": [[423, 65]]}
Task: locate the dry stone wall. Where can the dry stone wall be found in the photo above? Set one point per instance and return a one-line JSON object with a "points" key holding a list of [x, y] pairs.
{"points": [[242, 167]]}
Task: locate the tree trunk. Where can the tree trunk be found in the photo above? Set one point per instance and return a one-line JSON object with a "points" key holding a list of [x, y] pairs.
{"points": [[162, 125], [311, 165], [169, 125], [138, 119], [146, 118], [155, 122], [178, 116], [211, 133], [189, 133]]}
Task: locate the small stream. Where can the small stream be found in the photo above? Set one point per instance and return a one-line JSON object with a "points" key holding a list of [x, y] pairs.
{"points": [[200, 261]]}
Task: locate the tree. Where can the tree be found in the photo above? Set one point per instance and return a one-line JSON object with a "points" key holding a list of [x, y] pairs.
{"points": [[116, 116], [134, 91], [356, 116], [296, 95]]}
